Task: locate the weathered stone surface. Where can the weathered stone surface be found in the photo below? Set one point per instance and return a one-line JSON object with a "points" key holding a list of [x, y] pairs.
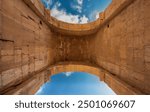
{"points": [[118, 44], [7, 59], [18, 26], [8, 76], [133, 44], [18, 73], [7, 49], [0, 80], [25, 70], [18, 57]]}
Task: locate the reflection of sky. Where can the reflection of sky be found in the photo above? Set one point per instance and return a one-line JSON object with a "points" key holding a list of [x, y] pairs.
{"points": [[75, 83]]}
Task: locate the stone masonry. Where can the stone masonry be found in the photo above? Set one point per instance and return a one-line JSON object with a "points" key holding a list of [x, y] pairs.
{"points": [[34, 46]]}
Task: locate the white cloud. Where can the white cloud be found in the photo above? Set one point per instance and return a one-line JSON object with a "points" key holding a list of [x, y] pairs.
{"points": [[58, 4], [77, 7], [63, 16], [68, 74], [97, 15], [94, 15], [80, 2], [84, 19], [48, 1]]}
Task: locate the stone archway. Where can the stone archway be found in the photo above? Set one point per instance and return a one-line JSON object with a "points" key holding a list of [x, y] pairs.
{"points": [[112, 81]]}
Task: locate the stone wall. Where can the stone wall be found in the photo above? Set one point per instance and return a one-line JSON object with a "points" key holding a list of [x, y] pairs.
{"points": [[24, 45], [31, 41], [71, 48], [122, 45]]}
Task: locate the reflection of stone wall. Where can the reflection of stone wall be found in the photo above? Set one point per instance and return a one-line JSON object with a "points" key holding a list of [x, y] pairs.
{"points": [[118, 43]]}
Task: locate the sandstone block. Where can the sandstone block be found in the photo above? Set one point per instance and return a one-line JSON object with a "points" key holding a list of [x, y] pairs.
{"points": [[147, 51], [0, 80], [8, 76], [38, 65], [25, 50], [6, 59], [18, 72], [7, 48], [8, 7], [12, 30], [18, 51], [25, 70], [0, 5], [148, 66], [31, 67], [146, 35], [18, 59], [25, 58], [0, 25], [147, 59]]}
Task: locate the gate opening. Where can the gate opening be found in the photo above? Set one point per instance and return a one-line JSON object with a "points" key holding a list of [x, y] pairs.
{"points": [[75, 83]]}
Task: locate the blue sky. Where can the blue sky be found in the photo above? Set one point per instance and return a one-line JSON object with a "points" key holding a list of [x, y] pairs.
{"points": [[75, 83], [76, 11]]}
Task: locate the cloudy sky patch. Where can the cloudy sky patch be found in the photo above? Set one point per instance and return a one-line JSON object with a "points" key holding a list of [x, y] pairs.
{"points": [[76, 11]]}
